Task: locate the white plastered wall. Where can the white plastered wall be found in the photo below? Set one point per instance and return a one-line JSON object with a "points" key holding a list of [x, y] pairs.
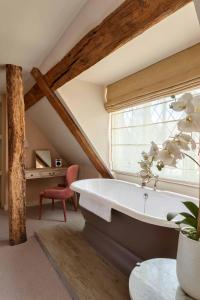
{"points": [[86, 102]]}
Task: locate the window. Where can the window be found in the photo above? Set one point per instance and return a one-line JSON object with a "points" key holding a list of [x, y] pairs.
{"points": [[132, 131]]}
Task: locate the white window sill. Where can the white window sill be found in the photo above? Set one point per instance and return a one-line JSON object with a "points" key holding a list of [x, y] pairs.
{"points": [[163, 180]]}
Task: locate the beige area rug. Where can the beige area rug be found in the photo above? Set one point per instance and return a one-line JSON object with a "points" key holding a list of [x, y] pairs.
{"points": [[86, 274]]}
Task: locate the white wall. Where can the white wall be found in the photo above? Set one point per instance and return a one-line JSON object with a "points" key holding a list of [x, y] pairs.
{"points": [[53, 128], [86, 102], [35, 139]]}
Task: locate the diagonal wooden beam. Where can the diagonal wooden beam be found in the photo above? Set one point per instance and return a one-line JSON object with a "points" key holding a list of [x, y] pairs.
{"points": [[129, 20], [71, 124]]}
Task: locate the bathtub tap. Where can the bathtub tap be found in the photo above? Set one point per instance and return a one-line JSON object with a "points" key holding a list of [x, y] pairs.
{"points": [[155, 183], [144, 183]]}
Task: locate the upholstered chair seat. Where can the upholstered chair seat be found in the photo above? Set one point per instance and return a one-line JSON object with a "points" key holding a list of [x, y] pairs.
{"points": [[62, 193], [57, 193]]}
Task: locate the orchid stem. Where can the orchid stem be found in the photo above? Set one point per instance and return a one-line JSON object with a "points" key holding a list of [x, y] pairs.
{"points": [[191, 158]]}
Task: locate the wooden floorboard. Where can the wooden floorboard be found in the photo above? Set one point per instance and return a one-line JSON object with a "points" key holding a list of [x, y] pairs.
{"points": [[86, 274]]}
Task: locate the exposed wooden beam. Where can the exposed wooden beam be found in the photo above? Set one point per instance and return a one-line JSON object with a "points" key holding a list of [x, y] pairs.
{"points": [[129, 20], [71, 124], [16, 136]]}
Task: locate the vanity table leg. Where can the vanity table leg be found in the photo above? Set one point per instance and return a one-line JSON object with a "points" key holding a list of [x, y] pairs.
{"points": [[64, 209], [40, 207]]}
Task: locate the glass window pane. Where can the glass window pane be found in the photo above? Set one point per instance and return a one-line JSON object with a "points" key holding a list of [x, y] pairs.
{"points": [[133, 129]]}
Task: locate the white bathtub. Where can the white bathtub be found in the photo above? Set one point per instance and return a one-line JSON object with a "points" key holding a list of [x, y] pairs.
{"points": [[100, 196]]}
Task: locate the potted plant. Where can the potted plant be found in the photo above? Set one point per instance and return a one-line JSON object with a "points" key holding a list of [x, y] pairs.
{"points": [[173, 150], [188, 256]]}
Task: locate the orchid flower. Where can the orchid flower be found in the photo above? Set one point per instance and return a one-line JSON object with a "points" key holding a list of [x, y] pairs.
{"points": [[172, 148], [145, 155], [167, 158], [146, 164], [196, 103], [184, 103], [154, 150], [191, 123], [183, 140]]}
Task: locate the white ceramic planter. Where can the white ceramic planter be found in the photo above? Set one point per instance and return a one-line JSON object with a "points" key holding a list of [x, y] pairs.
{"points": [[188, 266]]}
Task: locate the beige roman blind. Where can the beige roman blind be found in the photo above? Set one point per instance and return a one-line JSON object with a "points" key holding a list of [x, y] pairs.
{"points": [[169, 76]]}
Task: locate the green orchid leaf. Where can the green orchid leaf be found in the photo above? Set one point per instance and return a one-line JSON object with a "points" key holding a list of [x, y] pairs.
{"points": [[188, 220], [171, 216], [180, 222], [193, 208]]}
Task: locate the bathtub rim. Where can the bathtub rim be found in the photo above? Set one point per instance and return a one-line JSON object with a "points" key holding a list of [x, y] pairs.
{"points": [[129, 211]]}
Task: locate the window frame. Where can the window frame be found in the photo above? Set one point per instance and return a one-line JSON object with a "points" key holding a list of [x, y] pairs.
{"points": [[136, 175]]}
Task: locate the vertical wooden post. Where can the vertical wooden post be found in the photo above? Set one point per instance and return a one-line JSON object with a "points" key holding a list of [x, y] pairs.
{"points": [[16, 137], [4, 156]]}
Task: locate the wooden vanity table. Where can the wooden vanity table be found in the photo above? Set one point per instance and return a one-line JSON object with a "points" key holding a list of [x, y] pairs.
{"points": [[42, 175], [39, 179], [45, 173]]}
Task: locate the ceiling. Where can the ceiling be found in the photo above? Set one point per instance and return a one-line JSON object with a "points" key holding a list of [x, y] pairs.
{"points": [[34, 31], [175, 33], [29, 30]]}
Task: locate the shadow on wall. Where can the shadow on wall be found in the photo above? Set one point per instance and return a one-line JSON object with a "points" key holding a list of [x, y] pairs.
{"points": [[35, 139]]}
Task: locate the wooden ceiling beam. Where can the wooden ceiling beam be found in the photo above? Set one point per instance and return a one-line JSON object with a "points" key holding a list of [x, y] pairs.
{"points": [[129, 20], [71, 124]]}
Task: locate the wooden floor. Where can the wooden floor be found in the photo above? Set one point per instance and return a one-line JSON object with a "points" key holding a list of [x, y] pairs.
{"points": [[86, 275]]}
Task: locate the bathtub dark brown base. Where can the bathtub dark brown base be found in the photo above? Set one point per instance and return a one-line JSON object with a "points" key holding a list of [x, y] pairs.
{"points": [[126, 241]]}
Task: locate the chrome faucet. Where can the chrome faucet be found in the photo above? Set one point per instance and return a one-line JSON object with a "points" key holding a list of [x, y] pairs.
{"points": [[155, 183], [143, 184]]}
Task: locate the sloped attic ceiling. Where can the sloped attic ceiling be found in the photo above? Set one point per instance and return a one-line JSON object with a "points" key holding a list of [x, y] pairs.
{"points": [[48, 121]]}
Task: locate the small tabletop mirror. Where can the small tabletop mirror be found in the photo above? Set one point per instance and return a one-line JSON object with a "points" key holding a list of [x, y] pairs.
{"points": [[43, 159]]}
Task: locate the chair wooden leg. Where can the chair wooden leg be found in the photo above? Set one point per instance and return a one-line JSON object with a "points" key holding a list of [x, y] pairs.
{"points": [[53, 203], [75, 202], [40, 207], [64, 209]]}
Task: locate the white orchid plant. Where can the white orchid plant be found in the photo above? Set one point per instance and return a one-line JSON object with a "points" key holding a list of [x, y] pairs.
{"points": [[173, 150]]}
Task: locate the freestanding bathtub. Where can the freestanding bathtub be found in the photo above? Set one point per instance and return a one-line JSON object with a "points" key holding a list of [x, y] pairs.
{"points": [[127, 223]]}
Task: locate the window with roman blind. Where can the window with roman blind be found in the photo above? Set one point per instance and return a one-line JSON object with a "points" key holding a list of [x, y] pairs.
{"points": [[133, 129]]}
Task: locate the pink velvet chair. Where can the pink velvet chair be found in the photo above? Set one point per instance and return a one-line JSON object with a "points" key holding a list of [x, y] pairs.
{"points": [[62, 193]]}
